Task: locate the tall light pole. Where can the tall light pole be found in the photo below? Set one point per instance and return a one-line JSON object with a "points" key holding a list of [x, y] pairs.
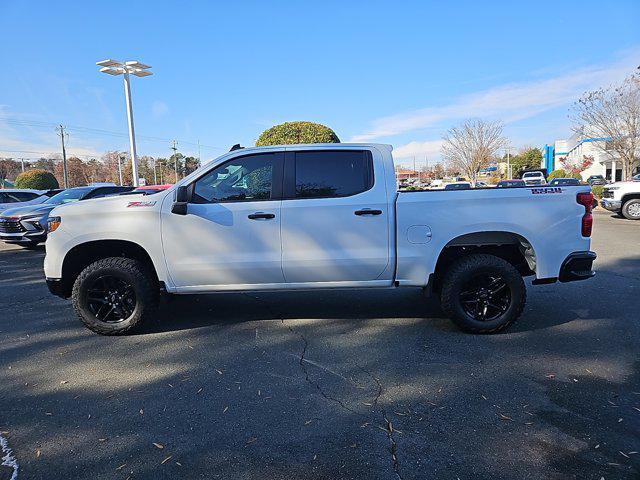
{"points": [[115, 67]]}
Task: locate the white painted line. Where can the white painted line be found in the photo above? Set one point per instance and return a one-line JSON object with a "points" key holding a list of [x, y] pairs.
{"points": [[8, 460]]}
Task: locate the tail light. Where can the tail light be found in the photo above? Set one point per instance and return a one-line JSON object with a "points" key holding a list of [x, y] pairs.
{"points": [[586, 199]]}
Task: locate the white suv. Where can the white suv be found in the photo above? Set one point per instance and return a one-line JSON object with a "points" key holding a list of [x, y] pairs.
{"points": [[623, 198]]}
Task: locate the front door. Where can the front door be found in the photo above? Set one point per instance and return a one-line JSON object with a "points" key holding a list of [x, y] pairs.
{"points": [[230, 237], [335, 223]]}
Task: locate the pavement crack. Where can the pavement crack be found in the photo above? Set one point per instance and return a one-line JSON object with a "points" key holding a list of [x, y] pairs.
{"points": [[301, 358], [303, 365], [388, 426]]}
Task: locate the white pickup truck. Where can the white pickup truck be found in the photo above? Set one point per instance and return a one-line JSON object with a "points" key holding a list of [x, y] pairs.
{"points": [[623, 198], [316, 217]]}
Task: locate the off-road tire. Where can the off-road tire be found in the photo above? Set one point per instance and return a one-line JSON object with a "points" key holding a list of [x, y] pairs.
{"points": [[461, 271], [131, 271], [634, 202]]}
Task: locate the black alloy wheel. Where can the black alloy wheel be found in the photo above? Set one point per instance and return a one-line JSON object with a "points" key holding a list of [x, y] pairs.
{"points": [[111, 299], [482, 293], [115, 295], [485, 297]]}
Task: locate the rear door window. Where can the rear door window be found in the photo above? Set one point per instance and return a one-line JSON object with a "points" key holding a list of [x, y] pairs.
{"points": [[332, 173]]}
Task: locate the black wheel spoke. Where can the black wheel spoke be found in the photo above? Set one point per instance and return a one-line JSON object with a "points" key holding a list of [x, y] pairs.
{"points": [[111, 299], [485, 297]]}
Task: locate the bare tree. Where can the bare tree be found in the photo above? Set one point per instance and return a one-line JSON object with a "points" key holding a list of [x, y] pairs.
{"points": [[612, 114], [471, 146]]}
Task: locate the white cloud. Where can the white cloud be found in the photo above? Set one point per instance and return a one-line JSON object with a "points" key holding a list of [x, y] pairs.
{"points": [[509, 102], [430, 149], [159, 109]]}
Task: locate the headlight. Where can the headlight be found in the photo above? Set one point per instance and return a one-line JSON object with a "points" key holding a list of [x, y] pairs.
{"points": [[53, 223]]}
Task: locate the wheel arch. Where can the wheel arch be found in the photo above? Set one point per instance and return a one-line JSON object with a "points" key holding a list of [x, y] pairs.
{"points": [[630, 196], [84, 254], [510, 246]]}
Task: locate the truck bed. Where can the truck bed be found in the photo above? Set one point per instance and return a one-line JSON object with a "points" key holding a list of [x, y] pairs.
{"points": [[547, 218]]}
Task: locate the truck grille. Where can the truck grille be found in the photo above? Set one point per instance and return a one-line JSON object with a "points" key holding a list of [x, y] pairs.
{"points": [[606, 193], [11, 226]]}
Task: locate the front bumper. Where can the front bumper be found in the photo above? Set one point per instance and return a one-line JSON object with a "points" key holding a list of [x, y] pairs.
{"points": [[56, 287], [23, 237], [577, 266], [611, 205]]}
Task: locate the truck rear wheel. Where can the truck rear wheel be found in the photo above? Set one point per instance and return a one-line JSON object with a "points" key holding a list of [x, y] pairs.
{"points": [[483, 293], [631, 209], [114, 295]]}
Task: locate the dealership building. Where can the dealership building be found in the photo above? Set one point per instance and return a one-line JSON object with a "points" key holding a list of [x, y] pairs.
{"points": [[577, 147]]}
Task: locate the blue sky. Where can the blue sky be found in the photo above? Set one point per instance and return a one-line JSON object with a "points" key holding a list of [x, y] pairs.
{"points": [[391, 72]]}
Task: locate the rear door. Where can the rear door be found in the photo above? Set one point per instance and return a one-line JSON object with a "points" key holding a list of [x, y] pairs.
{"points": [[334, 217]]}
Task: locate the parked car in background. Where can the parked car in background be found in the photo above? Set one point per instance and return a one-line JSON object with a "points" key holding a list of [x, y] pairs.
{"points": [[623, 198], [564, 182], [18, 197], [250, 230], [534, 178], [481, 184], [458, 186], [511, 183], [147, 190], [596, 180], [27, 225]]}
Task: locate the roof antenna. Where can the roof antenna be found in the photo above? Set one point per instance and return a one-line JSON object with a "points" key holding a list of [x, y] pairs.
{"points": [[235, 147]]}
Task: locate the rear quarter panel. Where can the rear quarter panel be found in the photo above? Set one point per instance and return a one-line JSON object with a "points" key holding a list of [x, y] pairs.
{"points": [[548, 218]]}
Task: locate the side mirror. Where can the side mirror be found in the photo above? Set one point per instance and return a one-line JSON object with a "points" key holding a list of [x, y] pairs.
{"points": [[180, 206]]}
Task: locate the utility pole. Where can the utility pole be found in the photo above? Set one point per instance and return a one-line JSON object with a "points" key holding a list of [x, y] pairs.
{"points": [[155, 173], [120, 158], [199, 152], [175, 159], [64, 157], [22, 164], [414, 164], [508, 164]]}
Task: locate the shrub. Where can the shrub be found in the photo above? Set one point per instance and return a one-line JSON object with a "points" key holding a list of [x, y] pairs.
{"points": [[297, 132], [37, 179], [560, 173], [597, 190]]}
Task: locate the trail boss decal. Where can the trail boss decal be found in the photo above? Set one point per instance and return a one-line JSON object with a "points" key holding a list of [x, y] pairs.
{"points": [[546, 190], [141, 204]]}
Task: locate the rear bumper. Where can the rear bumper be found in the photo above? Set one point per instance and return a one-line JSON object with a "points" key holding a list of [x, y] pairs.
{"points": [[611, 205], [577, 266]]}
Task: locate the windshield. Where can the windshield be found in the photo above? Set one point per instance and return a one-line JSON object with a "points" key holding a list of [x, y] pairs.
{"points": [[70, 195], [636, 178], [532, 174]]}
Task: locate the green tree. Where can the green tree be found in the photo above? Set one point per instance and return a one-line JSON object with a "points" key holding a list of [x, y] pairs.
{"points": [[528, 158], [38, 179], [297, 132]]}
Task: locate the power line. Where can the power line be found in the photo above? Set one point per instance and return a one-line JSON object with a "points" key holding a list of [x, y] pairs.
{"points": [[99, 131]]}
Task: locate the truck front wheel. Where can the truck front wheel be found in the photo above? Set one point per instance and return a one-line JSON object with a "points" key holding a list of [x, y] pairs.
{"points": [[482, 293], [631, 209], [115, 295]]}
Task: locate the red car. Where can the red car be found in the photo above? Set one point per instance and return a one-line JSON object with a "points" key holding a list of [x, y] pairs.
{"points": [[148, 189]]}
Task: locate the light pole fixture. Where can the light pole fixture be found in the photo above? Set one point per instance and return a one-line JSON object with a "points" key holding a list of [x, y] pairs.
{"points": [[115, 67]]}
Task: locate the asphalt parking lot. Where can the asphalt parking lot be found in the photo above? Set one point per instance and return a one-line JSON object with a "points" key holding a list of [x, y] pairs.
{"points": [[372, 385]]}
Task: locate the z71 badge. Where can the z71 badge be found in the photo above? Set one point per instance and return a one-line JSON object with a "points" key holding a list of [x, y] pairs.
{"points": [[141, 204], [546, 190]]}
